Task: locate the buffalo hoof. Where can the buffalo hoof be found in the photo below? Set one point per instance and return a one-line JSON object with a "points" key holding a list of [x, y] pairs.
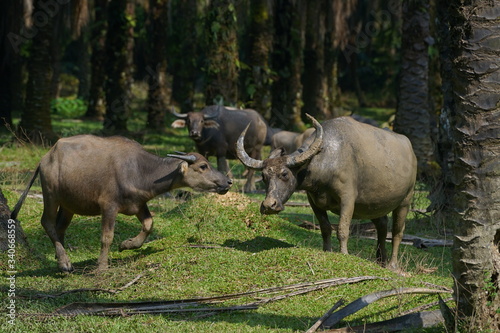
{"points": [[129, 244], [66, 267]]}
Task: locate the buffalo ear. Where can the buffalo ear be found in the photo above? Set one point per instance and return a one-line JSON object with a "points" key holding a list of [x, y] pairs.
{"points": [[183, 167], [179, 123], [211, 124]]}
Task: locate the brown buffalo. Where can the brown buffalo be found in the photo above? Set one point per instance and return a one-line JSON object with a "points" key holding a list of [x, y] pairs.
{"points": [[89, 175]]}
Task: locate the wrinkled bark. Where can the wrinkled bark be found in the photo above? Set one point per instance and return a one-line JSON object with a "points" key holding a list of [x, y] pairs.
{"points": [[222, 58], [475, 35], [412, 115], [156, 105], [119, 50], [96, 107], [287, 58]]}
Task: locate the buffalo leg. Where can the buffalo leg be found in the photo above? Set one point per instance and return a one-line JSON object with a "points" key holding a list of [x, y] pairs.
{"points": [[381, 226], [250, 183], [147, 225], [49, 217], [107, 234], [223, 166], [324, 225], [346, 211], [63, 220], [398, 228]]}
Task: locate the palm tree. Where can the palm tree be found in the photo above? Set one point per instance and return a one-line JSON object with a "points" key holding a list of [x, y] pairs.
{"points": [[222, 53], [10, 58], [157, 64], [287, 59], [412, 115], [313, 76], [184, 51], [256, 77], [474, 35], [36, 123], [96, 104]]}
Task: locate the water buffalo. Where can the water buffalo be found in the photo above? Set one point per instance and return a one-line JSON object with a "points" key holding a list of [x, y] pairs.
{"points": [[352, 169], [90, 175], [215, 130], [290, 141]]}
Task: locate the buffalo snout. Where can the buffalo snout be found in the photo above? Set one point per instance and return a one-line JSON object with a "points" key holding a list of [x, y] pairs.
{"points": [[223, 189], [195, 135], [271, 206]]}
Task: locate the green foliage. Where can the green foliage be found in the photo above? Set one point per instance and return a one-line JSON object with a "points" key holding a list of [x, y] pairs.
{"points": [[68, 107]]}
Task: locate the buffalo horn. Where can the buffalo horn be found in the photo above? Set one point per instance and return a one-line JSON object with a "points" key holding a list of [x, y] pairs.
{"points": [[299, 157], [179, 115], [212, 116], [187, 158], [243, 156]]}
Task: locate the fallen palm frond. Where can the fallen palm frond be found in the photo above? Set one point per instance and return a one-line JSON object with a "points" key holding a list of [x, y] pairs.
{"points": [[366, 300], [193, 304], [413, 320]]}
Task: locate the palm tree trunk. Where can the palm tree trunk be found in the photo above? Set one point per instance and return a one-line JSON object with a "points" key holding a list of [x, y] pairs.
{"points": [[287, 60], [257, 76], [313, 77], [475, 33], [96, 108], [183, 59], [412, 115], [36, 123], [156, 105], [119, 50], [222, 59]]}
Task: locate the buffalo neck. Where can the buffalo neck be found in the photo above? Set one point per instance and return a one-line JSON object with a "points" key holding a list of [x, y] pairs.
{"points": [[159, 174]]}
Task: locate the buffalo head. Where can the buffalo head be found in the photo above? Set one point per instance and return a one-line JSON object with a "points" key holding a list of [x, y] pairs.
{"points": [[279, 171], [198, 174], [195, 122]]}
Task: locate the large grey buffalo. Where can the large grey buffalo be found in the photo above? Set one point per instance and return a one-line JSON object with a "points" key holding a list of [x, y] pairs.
{"points": [[89, 175], [352, 169], [290, 141], [215, 130]]}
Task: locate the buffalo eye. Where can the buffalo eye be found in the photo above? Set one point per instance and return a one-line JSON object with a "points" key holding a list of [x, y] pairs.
{"points": [[284, 175], [204, 167]]}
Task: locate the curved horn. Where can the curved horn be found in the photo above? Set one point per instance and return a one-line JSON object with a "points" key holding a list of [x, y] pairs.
{"points": [[243, 156], [299, 156], [212, 116], [179, 115], [187, 158]]}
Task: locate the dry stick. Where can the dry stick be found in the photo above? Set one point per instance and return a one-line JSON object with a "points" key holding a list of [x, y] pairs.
{"points": [[320, 321], [362, 302]]}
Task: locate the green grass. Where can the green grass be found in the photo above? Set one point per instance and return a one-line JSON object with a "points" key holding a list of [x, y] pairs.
{"points": [[247, 251]]}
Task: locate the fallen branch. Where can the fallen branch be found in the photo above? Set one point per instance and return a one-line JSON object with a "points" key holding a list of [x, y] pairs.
{"points": [[364, 301]]}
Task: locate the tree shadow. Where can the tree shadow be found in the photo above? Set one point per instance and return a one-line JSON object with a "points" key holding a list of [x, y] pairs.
{"points": [[258, 244]]}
